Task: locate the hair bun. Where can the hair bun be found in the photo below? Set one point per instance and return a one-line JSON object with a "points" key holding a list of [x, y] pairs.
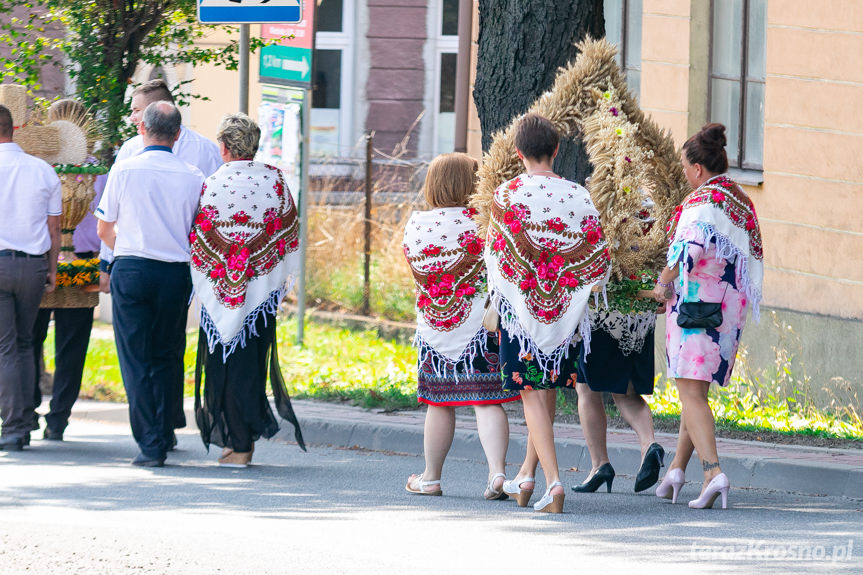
{"points": [[713, 136]]}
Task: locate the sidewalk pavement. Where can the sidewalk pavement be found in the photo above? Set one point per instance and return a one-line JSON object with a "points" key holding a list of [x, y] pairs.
{"points": [[798, 469]]}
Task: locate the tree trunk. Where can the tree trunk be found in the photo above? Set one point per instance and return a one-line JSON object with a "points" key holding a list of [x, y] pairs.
{"points": [[522, 43]]}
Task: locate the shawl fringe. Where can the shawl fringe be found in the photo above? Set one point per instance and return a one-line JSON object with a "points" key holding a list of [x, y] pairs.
{"points": [[269, 306], [725, 250], [441, 364], [549, 363]]}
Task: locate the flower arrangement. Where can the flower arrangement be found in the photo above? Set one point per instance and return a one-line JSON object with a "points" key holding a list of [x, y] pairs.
{"points": [[78, 273]]}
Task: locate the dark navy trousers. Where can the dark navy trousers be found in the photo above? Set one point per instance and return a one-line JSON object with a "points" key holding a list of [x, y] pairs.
{"points": [[150, 303]]}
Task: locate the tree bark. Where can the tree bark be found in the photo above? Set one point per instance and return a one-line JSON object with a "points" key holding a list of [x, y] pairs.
{"points": [[522, 43]]}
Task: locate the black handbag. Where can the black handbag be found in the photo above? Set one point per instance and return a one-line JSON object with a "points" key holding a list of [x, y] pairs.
{"points": [[700, 314]]}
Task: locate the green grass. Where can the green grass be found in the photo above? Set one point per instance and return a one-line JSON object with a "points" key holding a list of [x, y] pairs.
{"points": [[336, 364], [343, 286], [745, 406]]}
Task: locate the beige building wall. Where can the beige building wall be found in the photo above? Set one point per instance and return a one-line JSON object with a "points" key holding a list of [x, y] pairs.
{"points": [[220, 86]]}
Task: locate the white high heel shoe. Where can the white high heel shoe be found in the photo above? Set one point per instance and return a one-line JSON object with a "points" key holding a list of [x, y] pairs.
{"points": [[551, 503], [514, 490], [671, 484]]}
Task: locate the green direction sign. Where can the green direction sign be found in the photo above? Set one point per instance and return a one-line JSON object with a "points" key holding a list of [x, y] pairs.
{"points": [[287, 65]]}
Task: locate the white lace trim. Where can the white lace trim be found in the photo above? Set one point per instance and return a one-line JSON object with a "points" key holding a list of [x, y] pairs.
{"points": [[441, 364], [628, 330], [269, 306], [548, 363]]}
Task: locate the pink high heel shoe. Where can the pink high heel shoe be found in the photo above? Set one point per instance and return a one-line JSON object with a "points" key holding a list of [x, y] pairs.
{"points": [[671, 484], [718, 486]]}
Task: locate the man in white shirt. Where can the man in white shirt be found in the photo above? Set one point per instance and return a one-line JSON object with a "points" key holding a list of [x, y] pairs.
{"points": [[190, 147], [29, 244], [145, 217]]}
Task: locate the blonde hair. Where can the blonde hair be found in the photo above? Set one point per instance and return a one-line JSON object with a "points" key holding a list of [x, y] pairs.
{"points": [[240, 134], [450, 180]]}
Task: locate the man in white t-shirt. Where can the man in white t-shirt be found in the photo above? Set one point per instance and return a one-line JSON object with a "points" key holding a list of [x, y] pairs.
{"points": [[191, 148], [145, 215], [29, 244]]}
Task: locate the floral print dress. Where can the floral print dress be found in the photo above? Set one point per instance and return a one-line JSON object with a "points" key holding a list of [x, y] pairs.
{"points": [[705, 354]]}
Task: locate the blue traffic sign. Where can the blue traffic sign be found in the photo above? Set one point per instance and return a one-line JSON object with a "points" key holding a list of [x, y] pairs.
{"points": [[249, 11]]}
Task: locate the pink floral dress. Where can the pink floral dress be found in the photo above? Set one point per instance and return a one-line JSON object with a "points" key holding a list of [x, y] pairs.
{"points": [[706, 354]]}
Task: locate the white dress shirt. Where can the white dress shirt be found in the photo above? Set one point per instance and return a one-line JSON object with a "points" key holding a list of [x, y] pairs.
{"points": [[29, 192], [191, 147], [153, 197]]}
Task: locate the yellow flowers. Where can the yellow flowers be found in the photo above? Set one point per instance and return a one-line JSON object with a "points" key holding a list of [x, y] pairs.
{"points": [[77, 273]]}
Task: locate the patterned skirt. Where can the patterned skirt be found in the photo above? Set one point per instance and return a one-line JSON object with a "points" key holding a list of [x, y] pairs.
{"points": [[481, 385], [524, 373]]}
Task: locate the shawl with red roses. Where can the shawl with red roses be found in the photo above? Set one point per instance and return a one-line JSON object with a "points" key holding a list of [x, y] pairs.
{"points": [[544, 252], [445, 257], [243, 249], [719, 210]]}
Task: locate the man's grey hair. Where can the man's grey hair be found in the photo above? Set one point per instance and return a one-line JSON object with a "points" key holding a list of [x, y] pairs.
{"points": [[162, 121], [240, 135]]}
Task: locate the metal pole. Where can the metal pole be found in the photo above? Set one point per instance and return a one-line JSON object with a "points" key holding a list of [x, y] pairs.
{"points": [[244, 68], [367, 252], [305, 158]]}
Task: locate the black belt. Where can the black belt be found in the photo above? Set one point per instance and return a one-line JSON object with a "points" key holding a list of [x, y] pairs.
{"points": [[18, 254]]}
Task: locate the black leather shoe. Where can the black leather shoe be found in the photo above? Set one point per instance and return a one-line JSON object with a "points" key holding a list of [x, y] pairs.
{"points": [[8, 444], [648, 474], [172, 442], [144, 461], [35, 426], [52, 435], [604, 474]]}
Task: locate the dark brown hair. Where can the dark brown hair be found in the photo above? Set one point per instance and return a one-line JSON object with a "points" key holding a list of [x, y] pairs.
{"points": [[450, 180], [6, 127], [536, 137], [155, 90], [707, 148]]}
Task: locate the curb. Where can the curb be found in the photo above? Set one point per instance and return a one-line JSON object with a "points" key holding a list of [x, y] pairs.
{"points": [[786, 468]]}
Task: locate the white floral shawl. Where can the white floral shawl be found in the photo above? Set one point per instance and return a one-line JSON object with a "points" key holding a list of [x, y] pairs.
{"points": [[243, 250], [445, 257], [544, 252]]}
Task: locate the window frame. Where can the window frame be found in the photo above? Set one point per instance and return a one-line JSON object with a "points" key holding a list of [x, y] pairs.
{"points": [[443, 45], [743, 80], [625, 64]]}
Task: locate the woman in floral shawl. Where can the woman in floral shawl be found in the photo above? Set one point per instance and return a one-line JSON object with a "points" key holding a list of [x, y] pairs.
{"points": [[715, 256], [244, 259], [545, 250], [457, 364]]}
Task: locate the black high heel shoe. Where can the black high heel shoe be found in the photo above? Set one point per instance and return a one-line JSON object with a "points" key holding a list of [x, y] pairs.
{"points": [[604, 474], [648, 474]]}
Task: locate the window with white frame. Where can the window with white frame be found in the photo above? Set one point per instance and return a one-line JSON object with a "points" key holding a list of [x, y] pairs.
{"points": [[623, 29], [446, 56], [737, 77], [331, 102]]}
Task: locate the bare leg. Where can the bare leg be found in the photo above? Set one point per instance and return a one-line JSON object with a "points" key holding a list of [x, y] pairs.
{"points": [[493, 427], [541, 430], [684, 448], [591, 413], [699, 424], [636, 413], [437, 439], [531, 459]]}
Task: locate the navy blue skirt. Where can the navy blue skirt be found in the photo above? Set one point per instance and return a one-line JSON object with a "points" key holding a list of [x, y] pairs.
{"points": [[608, 369]]}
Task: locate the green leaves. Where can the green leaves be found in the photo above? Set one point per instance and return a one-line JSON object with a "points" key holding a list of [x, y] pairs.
{"points": [[103, 44]]}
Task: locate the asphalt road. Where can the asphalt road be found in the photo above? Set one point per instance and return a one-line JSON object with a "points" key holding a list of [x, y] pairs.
{"points": [[79, 507]]}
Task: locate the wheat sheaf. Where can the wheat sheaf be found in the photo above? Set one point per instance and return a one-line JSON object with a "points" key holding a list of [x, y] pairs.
{"points": [[631, 156]]}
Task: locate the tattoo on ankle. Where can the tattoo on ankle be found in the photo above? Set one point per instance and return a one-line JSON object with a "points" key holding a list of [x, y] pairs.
{"points": [[707, 465]]}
